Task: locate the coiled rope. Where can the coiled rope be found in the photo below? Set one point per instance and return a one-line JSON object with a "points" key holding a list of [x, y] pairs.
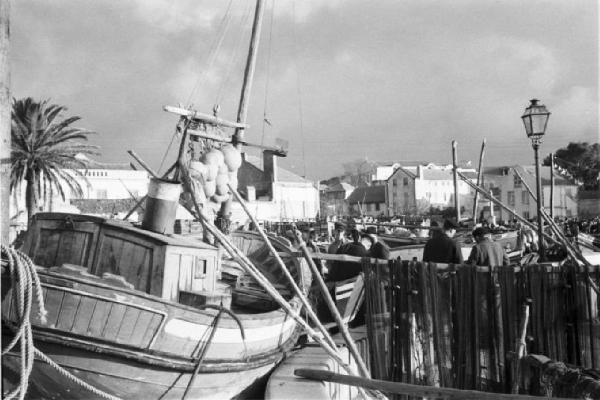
{"points": [[25, 284]]}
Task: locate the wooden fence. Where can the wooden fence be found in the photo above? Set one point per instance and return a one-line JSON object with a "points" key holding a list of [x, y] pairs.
{"points": [[457, 325]]}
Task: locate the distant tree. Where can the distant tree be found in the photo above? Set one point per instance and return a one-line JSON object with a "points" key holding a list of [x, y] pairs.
{"points": [[44, 146], [359, 172], [581, 160]]}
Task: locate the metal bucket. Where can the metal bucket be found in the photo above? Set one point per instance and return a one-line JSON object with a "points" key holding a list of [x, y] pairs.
{"points": [[161, 205]]}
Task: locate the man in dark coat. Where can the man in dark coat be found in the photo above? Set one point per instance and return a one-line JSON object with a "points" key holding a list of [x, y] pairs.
{"points": [[442, 248], [378, 249], [487, 252], [341, 270]]}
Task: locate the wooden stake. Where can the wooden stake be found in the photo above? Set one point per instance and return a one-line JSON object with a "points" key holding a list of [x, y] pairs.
{"points": [[455, 180], [552, 185], [479, 177], [520, 345]]}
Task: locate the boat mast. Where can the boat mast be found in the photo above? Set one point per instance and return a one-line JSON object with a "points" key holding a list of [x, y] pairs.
{"points": [[223, 217], [5, 108]]}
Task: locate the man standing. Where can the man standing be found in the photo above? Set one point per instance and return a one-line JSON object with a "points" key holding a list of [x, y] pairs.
{"points": [[487, 252], [377, 248], [442, 248], [338, 238]]}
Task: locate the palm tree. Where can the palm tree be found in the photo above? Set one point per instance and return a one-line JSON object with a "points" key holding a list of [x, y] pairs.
{"points": [[44, 149]]}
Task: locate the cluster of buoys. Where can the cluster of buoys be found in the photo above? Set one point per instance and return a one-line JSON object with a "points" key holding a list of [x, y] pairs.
{"points": [[215, 169]]}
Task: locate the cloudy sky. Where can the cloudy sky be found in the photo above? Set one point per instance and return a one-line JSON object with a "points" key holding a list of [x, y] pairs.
{"points": [[340, 79]]}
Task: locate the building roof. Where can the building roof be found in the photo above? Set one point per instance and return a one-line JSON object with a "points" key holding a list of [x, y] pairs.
{"points": [[94, 164], [528, 173], [340, 187], [589, 194], [432, 172], [283, 175], [368, 194]]}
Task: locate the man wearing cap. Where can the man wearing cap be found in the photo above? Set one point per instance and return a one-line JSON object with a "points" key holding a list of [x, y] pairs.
{"points": [[442, 248], [376, 248], [487, 252], [338, 238], [341, 270]]}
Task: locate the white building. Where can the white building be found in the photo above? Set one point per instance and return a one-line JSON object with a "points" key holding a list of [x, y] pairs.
{"points": [[509, 189], [415, 189], [274, 193], [101, 181]]}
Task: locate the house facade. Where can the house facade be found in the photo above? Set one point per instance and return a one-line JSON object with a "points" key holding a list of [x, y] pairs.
{"points": [[368, 201], [509, 189], [416, 189]]}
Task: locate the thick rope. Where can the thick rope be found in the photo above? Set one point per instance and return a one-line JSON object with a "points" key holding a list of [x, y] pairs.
{"points": [[25, 283]]}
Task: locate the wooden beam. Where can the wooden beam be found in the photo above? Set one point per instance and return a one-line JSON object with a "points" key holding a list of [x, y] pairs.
{"points": [[217, 138], [210, 119], [479, 177], [408, 389], [142, 163], [552, 185], [455, 179]]}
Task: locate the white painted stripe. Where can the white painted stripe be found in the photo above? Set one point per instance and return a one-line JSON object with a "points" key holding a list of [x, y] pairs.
{"points": [[189, 330]]}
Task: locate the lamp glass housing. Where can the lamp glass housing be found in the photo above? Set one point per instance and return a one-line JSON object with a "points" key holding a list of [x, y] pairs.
{"points": [[535, 119]]}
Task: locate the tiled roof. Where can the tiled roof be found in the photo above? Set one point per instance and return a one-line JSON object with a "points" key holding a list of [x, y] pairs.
{"points": [[528, 173], [340, 187], [368, 194]]}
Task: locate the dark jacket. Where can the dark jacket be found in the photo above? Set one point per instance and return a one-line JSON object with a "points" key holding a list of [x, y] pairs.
{"points": [[379, 250], [341, 270], [442, 249], [488, 253]]}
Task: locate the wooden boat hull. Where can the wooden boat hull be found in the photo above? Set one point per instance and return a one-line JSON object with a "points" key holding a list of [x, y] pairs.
{"points": [[129, 380]]}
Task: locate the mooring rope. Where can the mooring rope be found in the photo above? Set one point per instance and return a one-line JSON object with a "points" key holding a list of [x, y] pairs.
{"points": [[25, 283]]}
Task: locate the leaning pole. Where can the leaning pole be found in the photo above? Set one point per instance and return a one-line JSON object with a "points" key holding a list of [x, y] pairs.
{"points": [[4, 120]]}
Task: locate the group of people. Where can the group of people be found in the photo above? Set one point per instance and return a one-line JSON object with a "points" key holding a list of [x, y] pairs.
{"points": [[360, 244], [443, 248]]}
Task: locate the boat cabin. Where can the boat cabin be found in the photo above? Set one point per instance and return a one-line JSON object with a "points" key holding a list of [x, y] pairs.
{"points": [[171, 267]]}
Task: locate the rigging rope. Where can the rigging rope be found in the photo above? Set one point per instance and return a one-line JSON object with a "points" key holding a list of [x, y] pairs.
{"points": [[214, 50], [236, 52], [25, 284]]}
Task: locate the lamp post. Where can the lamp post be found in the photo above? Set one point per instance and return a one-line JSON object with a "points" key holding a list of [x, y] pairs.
{"points": [[535, 119]]}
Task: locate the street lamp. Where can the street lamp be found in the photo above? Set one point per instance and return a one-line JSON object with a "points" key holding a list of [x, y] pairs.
{"points": [[535, 119]]}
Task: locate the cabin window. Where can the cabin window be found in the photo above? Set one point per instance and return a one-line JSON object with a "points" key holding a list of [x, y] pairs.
{"points": [[199, 268], [131, 260]]}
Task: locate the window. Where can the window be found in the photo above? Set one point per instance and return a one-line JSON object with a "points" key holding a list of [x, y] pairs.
{"points": [[101, 194], [526, 214], [405, 181], [405, 199], [511, 198], [394, 182], [199, 268], [525, 197], [377, 206], [517, 181]]}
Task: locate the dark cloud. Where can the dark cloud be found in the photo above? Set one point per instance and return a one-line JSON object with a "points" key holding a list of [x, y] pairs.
{"points": [[384, 80]]}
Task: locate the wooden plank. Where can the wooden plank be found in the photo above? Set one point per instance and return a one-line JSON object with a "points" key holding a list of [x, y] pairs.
{"points": [[130, 319], [99, 317], [83, 316], [70, 304], [408, 389], [140, 327], [53, 301], [114, 321], [46, 251], [151, 328]]}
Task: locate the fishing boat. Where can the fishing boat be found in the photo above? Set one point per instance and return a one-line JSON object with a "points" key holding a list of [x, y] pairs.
{"points": [[136, 313]]}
